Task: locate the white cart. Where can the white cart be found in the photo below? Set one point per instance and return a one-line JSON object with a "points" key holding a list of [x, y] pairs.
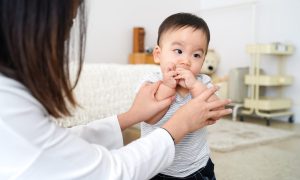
{"points": [[267, 107]]}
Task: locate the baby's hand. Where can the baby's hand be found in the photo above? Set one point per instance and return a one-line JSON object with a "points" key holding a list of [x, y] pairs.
{"points": [[169, 75], [186, 78]]}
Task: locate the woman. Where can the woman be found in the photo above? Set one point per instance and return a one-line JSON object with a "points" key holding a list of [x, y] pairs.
{"points": [[35, 85]]}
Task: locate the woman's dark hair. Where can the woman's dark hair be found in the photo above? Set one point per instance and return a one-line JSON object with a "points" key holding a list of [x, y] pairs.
{"points": [[181, 20], [34, 41]]}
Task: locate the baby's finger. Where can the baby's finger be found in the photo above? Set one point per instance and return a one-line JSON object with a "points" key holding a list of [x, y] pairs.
{"points": [[170, 67], [181, 71], [172, 73], [178, 77]]}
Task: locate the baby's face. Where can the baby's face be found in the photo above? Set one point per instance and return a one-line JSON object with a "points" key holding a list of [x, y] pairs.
{"points": [[184, 47]]}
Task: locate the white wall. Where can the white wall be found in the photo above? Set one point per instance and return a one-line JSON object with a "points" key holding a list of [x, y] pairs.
{"points": [[233, 23], [111, 22]]}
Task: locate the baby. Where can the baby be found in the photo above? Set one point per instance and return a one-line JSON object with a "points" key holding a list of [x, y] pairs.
{"points": [[182, 44]]}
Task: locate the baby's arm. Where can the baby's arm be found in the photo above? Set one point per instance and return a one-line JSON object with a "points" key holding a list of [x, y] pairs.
{"points": [[163, 92], [198, 88], [166, 89], [189, 81]]}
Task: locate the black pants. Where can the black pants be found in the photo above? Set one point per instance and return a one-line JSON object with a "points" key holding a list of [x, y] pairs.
{"points": [[205, 173]]}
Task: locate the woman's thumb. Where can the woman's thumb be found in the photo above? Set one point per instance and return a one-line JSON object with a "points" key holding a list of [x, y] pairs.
{"points": [[166, 102]]}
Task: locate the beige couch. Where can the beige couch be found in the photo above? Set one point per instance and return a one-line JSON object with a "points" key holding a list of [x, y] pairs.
{"points": [[104, 90]]}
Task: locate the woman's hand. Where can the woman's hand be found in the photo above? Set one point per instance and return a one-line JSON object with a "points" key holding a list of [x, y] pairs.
{"points": [[145, 106], [196, 114]]}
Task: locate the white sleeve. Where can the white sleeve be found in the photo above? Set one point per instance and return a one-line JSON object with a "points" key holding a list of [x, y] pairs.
{"points": [[34, 147], [68, 157], [106, 132]]}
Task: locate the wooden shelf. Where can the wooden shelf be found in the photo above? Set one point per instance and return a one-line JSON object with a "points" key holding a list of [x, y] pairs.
{"points": [[141, 58]]}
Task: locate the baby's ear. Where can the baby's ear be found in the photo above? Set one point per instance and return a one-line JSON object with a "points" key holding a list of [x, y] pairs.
{"points": [[156, 54]]}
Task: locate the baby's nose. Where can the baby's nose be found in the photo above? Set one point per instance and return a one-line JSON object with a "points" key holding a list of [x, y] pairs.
{"points": [[185, 61], [183, 65]]}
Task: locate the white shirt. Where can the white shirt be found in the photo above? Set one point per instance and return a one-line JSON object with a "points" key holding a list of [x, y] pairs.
{"points": [[34, 147]]}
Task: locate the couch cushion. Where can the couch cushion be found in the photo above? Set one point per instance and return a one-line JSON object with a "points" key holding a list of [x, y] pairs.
{"points": [[105, 89]]}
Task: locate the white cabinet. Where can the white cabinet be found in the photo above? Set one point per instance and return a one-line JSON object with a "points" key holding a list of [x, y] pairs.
{"points": [[267, 107]]}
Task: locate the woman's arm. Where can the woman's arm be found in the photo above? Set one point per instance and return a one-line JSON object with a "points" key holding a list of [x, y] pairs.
{"points": [[144, 107], [55, 153], [34, 147], [100, 132]]}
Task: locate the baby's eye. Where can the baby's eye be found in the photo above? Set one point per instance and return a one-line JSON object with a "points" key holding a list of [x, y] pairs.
{"points": [[197, 55], [178, 51]]}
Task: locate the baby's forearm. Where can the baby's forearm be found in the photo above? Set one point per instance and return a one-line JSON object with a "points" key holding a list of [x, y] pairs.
{"points": [[157, 117], [164, 92], [197, 89]]}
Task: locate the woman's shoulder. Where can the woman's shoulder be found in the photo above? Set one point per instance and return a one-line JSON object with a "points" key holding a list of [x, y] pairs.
{"points": [[15, 94]]}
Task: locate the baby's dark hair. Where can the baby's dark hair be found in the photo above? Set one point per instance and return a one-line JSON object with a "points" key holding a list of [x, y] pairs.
{"points": [[179, 20]]}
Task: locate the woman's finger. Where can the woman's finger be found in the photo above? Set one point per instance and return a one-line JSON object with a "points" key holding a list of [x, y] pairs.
{"points": [[166, 102], [218, 104], [219, 113], [206, 94], [211, 122], [155, 86]]}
